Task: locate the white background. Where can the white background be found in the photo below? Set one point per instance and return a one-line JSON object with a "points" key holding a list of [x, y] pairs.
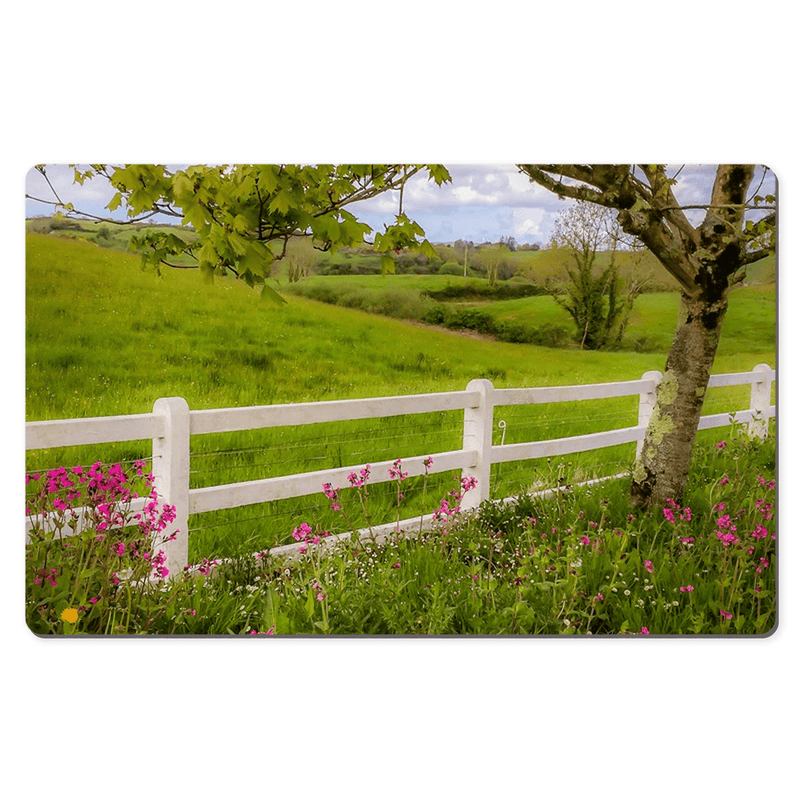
{"points": [[615, 81]]}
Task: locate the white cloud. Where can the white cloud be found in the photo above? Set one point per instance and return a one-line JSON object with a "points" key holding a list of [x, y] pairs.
{"points": [[528, 224]]}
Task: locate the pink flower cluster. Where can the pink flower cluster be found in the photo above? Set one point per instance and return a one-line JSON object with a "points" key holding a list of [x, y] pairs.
{"points": [[450, 507], [106, 495], [47, 575], [726, 531], [396, 472], [764, 507], [305, 534], [204, 567], [360, 479], [332, 495], [157, 563], [672, 507], [270, 632]]}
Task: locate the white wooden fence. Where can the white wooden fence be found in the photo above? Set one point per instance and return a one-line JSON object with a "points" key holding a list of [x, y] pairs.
{"points": [[172, 424]]}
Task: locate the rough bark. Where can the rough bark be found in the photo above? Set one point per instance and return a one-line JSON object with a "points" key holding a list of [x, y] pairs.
{"points": [[663, 466]]}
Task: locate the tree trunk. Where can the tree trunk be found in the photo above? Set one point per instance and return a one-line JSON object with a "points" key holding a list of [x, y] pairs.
{"points": [[661, 470]]}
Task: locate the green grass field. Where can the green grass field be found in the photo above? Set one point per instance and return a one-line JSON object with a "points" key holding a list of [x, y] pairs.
{"points": [[104, 338]]}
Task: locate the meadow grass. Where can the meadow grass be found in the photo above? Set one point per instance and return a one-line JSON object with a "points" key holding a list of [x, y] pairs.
{"points": [[105, 338], [576, 562]]}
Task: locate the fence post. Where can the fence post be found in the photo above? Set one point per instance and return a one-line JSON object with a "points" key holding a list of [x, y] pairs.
{"points": [[647, 402], [760, 394], [478, 423], [171, 472]]}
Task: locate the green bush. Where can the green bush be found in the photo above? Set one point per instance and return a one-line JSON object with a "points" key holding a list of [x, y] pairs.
{"points": [[547, 335], [480, 290], [471, 319], [436, 315], [451, 268]]}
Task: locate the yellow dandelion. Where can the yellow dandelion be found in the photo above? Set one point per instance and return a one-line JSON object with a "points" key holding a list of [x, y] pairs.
{"points": [[70, 615]]}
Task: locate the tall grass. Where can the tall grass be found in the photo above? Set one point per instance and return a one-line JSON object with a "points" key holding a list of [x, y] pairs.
{"points": [[575, 562]]}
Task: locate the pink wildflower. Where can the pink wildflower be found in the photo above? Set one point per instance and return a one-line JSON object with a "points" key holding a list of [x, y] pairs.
{"points": [[302, 532], [760, 532], [204, 567], [688, 588], [648, 565], [645, 631], [725, 614], [396, 472], [360, 479], [727, 539]]}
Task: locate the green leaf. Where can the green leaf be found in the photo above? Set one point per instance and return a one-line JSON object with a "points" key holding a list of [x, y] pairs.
{"points": [[281, 202], [326, 228], [207, 271], [428, 250], [208, 254], [268, 178], [257, 258], [438, 173], [387, 265], [194, 215], [268, 293], [310, 604]]}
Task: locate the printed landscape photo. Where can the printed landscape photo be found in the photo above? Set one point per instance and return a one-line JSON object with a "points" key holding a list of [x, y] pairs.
{"points": [[403, 400]]}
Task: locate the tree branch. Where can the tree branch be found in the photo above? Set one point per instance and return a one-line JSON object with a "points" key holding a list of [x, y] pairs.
{"points": [[756, 255]]}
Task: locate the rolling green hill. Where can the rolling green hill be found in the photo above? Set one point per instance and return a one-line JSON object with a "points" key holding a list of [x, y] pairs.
{"points": [[103, 337]]}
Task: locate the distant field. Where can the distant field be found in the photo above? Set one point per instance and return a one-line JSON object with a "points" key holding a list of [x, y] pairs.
{"points": [[102, 338], [750, 321]]}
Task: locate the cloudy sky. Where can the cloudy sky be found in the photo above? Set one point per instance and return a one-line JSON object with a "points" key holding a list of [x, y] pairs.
{"points": [[482, 203]]}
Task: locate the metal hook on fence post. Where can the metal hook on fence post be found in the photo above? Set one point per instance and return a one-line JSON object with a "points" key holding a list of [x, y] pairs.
{"points": [[502, 426]]}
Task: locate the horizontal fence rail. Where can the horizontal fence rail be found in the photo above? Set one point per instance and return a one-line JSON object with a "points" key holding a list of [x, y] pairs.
{"points": [[245, 493], [171, 425], [250, 417]]}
